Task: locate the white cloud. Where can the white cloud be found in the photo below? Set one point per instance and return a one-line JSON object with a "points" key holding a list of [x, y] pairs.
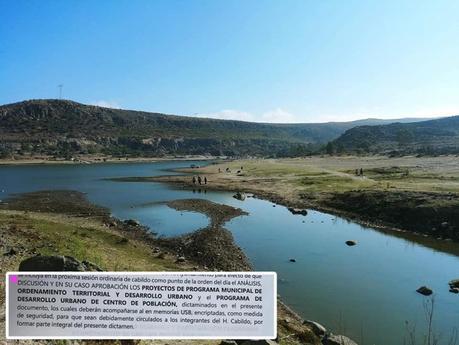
{"points": [[278, 115], [229, 114], [106, 104]]}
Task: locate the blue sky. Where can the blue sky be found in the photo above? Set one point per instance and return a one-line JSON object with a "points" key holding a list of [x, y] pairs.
{"points": [[275, 61]]}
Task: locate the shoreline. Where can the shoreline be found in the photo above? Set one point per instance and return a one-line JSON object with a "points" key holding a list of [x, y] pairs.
{"points": [[184, 182], [73, 209], [101, 160]]}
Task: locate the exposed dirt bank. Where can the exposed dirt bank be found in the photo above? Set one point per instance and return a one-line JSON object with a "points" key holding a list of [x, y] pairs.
{"points": [[433, 214]]}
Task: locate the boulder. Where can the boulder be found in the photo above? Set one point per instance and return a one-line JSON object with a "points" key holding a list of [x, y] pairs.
{"points": [[54, 263], [132, 222], [316, 327], [10, 252], [454, 290], [239, 196], [292, 260], [181, 259], [424, 290], [90, 266], [454, 283], [228, 342], [351, 243], [334, 339], [301, 211]]}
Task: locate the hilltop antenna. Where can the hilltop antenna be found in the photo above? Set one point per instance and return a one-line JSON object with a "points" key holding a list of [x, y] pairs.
{"points": [[60, 86]]}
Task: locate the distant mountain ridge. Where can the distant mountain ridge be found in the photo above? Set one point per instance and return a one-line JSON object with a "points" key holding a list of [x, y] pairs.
{"points": [[437, 136], [64, 128]]}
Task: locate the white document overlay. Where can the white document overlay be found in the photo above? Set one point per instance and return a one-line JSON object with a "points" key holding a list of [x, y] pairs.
{"points": [[133, 305]]}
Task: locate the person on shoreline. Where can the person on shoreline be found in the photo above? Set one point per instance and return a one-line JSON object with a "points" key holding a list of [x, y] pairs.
{"points": [[194, 180], [199, 180], [205, 180]]}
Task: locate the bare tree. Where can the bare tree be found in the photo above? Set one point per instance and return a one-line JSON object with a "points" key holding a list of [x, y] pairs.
{"points": [[431, 337]]}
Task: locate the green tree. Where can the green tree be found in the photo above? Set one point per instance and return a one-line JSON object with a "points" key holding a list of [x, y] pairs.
{"points": [[330, 148], [404, 137]]}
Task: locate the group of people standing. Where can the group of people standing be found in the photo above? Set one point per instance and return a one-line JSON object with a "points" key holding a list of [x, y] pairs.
{"points": [[199, 180]]}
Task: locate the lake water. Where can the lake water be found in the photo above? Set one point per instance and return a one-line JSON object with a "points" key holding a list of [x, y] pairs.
{"points": [[366, 292]]}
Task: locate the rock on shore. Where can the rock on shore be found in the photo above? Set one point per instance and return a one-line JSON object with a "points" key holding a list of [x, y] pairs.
{"points": [[239, 196], [333, 339], [454, 283], [454, 286], [300, 211], [424, 290], [316, 327]]}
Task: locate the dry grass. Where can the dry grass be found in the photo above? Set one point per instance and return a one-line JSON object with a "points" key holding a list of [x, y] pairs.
{"points": [[331, 174], [85, 239]]}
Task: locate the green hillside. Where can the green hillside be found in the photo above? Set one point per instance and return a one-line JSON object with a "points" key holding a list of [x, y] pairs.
{"points": [[63, 128], [439, 136]]}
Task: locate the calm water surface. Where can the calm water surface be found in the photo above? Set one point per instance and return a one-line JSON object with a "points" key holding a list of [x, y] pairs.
{"points": [[366, 291]]}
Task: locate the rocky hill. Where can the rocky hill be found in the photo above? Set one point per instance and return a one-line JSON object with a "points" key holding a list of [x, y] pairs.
{"points": [[64, 128], [439, 136]]}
